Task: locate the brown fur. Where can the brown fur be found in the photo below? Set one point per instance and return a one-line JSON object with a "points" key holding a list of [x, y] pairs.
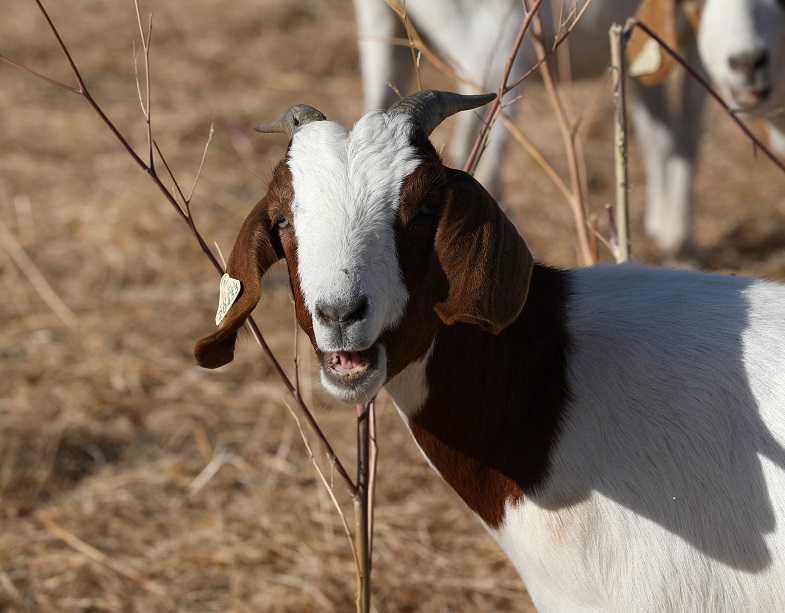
{"points": [[257, 247], [495, 402]]}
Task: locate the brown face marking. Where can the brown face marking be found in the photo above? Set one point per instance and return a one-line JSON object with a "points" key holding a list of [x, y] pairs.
{"points": [[419, 210], [282, 208], [489, 448]]}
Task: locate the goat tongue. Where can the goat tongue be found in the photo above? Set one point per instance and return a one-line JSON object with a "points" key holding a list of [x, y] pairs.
{"points": [[347, 362]]}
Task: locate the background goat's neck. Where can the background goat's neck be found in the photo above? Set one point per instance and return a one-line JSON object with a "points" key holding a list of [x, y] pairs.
{"points": [[493, 406]]}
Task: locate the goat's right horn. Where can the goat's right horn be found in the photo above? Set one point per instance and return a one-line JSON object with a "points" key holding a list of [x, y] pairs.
{"points": [[428, 108], [291, 120]]}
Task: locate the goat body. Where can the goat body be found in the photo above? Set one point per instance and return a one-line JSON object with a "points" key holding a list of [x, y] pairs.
{"points": [[622, 440], [620, 430]]}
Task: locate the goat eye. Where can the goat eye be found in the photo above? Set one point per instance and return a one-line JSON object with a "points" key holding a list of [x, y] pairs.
{"points": [[427, 210], [282, 223]]}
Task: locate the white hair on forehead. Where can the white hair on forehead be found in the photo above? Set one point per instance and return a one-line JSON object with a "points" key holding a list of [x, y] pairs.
{"points": [[347, 186]]}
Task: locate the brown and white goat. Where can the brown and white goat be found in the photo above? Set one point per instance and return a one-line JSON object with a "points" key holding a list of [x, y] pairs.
{"points": [[618, 429]]}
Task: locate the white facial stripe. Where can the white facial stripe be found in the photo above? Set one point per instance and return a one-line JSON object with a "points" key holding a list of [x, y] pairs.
{"points": [[346, 190]]}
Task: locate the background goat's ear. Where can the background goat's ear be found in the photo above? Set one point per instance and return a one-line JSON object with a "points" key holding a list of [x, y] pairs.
{"points": [[252, 254], [485, 261]]}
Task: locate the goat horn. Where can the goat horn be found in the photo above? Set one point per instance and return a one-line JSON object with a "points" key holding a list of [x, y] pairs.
{"points": [[428, 108], [291, 120]]}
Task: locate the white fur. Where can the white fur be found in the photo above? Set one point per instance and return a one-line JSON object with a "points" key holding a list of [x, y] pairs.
{"points": [[476, 37], [409, 388], [667, 488], [409, 391], [346, 191]]}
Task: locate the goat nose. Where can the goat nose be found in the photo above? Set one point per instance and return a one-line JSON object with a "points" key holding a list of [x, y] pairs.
{"points": [[748, 62], [342, 312]]}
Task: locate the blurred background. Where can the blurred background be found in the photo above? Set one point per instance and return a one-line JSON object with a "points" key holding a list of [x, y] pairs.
{"points": [[130, 479]]}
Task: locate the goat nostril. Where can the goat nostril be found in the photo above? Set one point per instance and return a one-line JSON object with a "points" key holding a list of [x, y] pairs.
{"points": [[360, 308], [342, 312], [749, 61]]}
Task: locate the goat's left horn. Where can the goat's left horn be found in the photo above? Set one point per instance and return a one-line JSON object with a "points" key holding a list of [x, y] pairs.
{"points": [[291, 120], [428, 108]]}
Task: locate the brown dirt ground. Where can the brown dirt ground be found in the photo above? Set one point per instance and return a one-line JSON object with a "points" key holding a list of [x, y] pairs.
{"points": [[131, 480]]}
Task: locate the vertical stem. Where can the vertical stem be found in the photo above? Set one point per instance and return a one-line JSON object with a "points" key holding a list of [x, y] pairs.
{"points": [[362, 509], [618, 36], [568, 132]]}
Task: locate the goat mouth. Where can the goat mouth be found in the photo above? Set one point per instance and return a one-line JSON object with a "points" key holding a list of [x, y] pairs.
{"points": [[750, 97], [347, 364], [354, 375]]}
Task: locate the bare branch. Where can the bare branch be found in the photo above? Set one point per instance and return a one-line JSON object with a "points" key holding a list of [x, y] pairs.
{"points": [[618, 36], [146, 107], [363, 500], [474, 155], [568, 132], [210, 137], [38, 75]]}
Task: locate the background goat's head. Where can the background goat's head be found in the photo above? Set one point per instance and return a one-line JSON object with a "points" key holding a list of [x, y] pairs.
{"points": [[381, 240], [742, 45]]}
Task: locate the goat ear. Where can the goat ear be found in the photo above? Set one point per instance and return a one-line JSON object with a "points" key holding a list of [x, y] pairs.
{"points": [[253, 253], [486, 263], [647, 61]]}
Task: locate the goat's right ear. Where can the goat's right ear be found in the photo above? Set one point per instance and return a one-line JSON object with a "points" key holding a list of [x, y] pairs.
{"points": [[253, 253]]}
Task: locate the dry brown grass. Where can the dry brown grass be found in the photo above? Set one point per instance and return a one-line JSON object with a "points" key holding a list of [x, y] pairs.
{"points": [[130, 480]]}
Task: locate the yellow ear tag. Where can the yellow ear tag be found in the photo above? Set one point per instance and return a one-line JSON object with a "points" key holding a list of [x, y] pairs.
{"points": [[230, 289], [648, 61]]}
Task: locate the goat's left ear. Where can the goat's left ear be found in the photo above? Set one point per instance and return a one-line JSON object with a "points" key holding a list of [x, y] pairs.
{"points": [[485, 261], [253, 253]]}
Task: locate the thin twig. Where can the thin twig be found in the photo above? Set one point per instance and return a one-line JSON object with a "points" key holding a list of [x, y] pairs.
{"points": [[94, 554], [176, 189], [296, 335], [474, 155], [568, 132], [36, 278], [532, 150], [327, 485], [412, 39], [146, 107], [410, 35], [618, 37], [423, 49], [210, 136]]}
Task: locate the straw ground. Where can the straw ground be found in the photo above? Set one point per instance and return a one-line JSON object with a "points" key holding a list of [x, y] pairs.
{"points": [[130, 479]]}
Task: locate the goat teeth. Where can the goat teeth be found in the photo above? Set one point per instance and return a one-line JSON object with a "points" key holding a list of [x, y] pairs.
{"points": [[748, 98], [345, 363]]}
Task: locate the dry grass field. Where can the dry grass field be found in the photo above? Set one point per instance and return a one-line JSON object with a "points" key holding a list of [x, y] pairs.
{"points": [[131, 480]]}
